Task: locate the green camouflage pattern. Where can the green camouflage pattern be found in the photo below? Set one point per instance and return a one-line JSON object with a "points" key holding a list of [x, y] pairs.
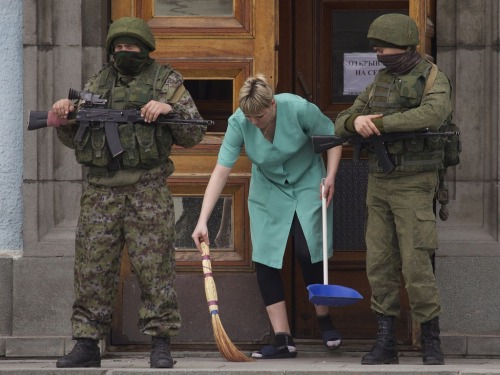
{"points": [[141, 217], [130, 26], [131, 207], [405, 203], [399, 99], [395, 28], [146, 145], [401, 223], [394, 93]]}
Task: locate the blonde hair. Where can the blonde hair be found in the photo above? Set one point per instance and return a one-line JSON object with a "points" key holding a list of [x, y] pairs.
{"points": [[255, 95]]}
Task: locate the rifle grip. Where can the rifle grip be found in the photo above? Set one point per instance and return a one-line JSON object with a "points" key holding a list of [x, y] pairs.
{"points": [[383, 156], [81, 131]]}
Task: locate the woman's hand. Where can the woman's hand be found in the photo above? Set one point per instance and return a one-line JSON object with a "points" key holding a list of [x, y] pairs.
{"points": [[200, 234], [327, 189]]}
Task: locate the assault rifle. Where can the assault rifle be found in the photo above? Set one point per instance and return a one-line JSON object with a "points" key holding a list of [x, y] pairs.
{"points": [[322, 143], [93, 114]]}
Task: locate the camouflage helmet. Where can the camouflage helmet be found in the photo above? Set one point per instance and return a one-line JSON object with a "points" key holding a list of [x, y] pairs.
{"points": [[130, 26], [394, 28]]}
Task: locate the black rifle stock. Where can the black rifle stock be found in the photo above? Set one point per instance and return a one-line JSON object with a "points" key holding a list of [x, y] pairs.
{"points": [[93, 115], [322, 143]]}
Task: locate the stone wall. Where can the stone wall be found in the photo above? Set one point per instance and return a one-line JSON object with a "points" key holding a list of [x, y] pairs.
{"points": [[63, 46], [469, 257]]}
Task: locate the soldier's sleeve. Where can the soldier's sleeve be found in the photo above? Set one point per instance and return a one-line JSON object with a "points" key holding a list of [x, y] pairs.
{"points": [[185, 135], [343, 122], [66, 135]]}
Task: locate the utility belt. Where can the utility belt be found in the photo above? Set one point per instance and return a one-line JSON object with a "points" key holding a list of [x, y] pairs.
{"points": [[116, 164], [127, 180], [410, 162]]}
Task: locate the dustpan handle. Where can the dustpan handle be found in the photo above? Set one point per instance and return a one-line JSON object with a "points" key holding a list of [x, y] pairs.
{"points": [[325, 241]]}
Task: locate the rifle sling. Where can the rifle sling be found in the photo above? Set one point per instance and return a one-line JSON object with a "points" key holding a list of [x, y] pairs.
{"points": [[177, 94], [430, 80]]}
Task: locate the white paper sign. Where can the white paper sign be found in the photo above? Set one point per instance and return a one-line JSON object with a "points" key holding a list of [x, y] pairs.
{"points": [[359, 71]]}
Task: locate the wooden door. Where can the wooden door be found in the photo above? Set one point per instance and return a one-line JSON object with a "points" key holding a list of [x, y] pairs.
{"points": [[216, 46], [311, 65]]}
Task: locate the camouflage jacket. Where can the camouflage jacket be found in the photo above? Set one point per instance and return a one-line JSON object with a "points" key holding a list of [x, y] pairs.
{"points": [[156, 82], [404, 110]]}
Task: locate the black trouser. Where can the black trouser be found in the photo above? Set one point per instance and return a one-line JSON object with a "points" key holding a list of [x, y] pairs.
{"points": [[269, 279]]}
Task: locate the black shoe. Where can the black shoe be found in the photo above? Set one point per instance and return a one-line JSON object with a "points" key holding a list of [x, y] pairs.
{"points": [[431, 343], [160, 353], [85, 353], [384, 351], [330, 336], [282, 347]]}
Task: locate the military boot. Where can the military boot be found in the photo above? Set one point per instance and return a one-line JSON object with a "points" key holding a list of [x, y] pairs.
{"points": [[160, 353], [85, 353], [431, 343], [384, 351]]}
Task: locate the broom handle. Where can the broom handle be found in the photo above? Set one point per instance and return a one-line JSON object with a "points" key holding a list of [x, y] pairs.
{"points": [[210, 289], [325, 244]]}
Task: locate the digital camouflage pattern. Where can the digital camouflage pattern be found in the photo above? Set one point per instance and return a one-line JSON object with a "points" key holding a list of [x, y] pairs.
{"points": [[140, 216], [146, 145], [131, 206]]}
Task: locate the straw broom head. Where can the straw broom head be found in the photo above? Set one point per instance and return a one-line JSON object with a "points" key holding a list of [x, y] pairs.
{"points": [[226, 348]]}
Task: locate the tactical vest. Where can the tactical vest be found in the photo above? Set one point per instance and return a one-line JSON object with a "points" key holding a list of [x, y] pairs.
{"points": [[146, 145], [391, 94]]}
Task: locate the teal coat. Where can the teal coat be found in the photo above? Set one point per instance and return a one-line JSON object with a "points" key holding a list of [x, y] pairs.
{"points": [[286, 176]]}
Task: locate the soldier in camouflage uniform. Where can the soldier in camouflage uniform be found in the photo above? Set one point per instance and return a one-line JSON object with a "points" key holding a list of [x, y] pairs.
{"points": [[127, 201], [401, 223]]}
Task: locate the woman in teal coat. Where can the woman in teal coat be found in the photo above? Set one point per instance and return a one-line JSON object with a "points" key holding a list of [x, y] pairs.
{"points": [[284, 197]]}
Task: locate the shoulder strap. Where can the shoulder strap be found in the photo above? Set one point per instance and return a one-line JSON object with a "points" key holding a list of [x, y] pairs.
{"points": [[370, 95], [429, 82], [372, 91], [173, 94], [177, 94]]}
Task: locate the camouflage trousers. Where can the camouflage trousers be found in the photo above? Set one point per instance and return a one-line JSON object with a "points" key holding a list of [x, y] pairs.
{"points": [[401, 232], [140, 217]]}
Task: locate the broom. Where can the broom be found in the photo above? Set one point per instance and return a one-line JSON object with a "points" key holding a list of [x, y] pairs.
{"points": [[226, 348]]}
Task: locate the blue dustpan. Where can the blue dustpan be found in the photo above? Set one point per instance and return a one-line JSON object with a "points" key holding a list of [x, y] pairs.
{"points": [[324, 294], [333, 295]]}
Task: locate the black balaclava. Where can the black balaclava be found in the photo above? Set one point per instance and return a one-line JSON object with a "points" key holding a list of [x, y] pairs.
{"points": [[127, 62]]}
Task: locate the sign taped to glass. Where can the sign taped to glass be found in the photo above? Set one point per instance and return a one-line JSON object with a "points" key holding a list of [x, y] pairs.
{"points": [[359, 70]]}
